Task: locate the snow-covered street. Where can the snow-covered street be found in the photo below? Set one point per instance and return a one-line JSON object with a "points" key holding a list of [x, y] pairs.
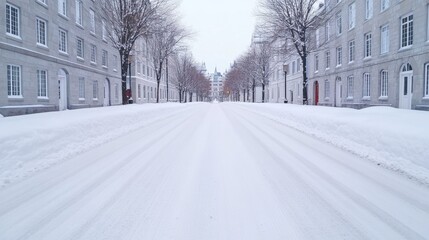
{"points": [[205, 171]]}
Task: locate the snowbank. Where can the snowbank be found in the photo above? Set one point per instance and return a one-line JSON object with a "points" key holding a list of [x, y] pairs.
{"points": [[31, 143], [393, 138]]}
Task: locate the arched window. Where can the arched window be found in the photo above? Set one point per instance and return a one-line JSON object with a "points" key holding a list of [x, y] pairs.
{"points": [[407, 67], [384, 83]]}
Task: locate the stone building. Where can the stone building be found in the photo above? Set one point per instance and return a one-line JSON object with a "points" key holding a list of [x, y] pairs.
{"points": [[55, 55], [371, 53]]}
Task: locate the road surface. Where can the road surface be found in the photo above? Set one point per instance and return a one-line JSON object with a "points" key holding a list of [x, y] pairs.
{"points": [[215, 171]]}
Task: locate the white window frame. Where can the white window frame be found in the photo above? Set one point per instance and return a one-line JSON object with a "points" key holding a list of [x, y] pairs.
{"points": [[13, 28], [384, 39], [62, 7], [352, 51], [409, 35], [339, 56], [42, 84], [350, 87], [79, 13], [81, 88], [316, 63], [384, 84], [41, 33], [95, 90], [62, 38], [328, 59], [93, 54], [14, 81], [426, 79], [369, 6], [327, 30], [339, 23], [384, 5], [42, 2], [139, 91], [352, 15], [104, 58], [92, 20], [327, 89], [103, 31], [366, 86], [368, 45], [80, 48], [115, 62]]}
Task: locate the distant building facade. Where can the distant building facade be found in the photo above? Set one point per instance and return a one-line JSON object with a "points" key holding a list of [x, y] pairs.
{"points": [[55, 55], [217, 83]]}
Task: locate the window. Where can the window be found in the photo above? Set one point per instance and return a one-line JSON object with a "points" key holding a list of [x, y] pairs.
{"points": [[407, 31], [352, 15], [339, 23], [116, 91], [350, 86], [79, 47], [317, 38], [41, 31], [81, 88], [339, 56], [384, 39], [316, 63], [368, 9], [384, 83], [367, 48], [328, 59], [95, 90], [62, 41], [426, 90], [42, 84], [62, 7], [385, 4], [327, 89], [104, 58], [138, 66], [115, 62], [93, 53], [352, 48], [327, 31], [366, 85], [92, 20], [14, 81], [103, 31], [144, 91], [12, 20], [79, 17], [139, 93]]}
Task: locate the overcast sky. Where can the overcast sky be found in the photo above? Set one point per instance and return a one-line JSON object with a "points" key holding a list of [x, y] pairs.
{"points": [[223, 29]]}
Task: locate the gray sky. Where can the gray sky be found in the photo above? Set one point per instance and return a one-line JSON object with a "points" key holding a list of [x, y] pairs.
{"points": [[223, 29]]}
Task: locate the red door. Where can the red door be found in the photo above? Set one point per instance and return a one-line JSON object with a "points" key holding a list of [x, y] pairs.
{"points": [[316, 93]]}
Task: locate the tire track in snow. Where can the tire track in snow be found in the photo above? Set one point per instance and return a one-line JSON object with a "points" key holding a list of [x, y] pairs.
{"points": [[70, 201], [336, 188]]}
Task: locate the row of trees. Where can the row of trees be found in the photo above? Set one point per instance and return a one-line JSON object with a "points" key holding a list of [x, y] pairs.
{"points": [[290, 22], [157, 22]]}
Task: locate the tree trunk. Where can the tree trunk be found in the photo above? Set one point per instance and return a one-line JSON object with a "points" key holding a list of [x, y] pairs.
{"points": [[244, 95], [190, 96], [158, 81], [304, 77], [180, 95], [263, 92], [253, 91], [166, 75], [124, 73]]}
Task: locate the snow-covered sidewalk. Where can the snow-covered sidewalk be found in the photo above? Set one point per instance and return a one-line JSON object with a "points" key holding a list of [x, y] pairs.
{"points": [[393, 138], [32, 143]]}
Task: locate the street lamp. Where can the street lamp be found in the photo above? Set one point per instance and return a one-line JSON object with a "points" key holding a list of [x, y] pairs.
{"points": [[285, 69], [130, 60]]}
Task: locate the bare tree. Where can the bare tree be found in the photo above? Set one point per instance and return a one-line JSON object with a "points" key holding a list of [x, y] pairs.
{"points": [[263, 61], [183, 64], [248, 67], [166, 38], [128, 20], [293, 20]]}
